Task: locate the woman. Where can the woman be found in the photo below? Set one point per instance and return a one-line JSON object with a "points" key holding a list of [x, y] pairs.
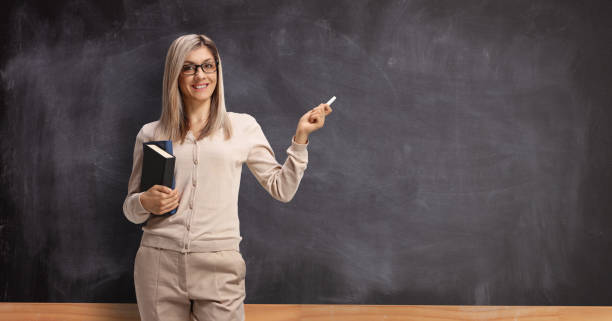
{"points": [[189, 264]]}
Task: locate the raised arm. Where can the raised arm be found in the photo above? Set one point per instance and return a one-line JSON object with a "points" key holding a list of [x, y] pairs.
{"points": [[283, 181]]}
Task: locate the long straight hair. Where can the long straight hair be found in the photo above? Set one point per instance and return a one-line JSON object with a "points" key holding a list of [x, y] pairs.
{"points": [[173, 122]]}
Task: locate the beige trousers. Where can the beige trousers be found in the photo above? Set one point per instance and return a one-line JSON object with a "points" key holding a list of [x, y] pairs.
{"points": [[174, 286]]}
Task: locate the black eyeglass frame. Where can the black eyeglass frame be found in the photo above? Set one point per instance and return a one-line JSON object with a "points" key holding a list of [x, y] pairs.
{"points": [[195, 71]]}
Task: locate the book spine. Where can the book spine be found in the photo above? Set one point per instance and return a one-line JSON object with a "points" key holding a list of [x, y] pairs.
{"points": [[168, 149], [169, 177]]}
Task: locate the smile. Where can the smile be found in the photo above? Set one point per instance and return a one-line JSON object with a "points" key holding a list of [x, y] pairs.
{"points": [[200, 86]]}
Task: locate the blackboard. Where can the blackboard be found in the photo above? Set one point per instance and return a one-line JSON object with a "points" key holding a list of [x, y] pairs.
{"points": [[467, 161]]}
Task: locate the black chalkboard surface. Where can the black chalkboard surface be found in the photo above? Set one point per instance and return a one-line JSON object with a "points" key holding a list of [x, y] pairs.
{"points": [[468, 159]]}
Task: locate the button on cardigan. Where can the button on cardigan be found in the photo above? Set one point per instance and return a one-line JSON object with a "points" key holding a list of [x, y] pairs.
{"points": [[207, 175]]}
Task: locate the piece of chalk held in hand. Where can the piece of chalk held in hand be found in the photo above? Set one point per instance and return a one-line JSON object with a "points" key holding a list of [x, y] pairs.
{"points": [[331, 100]]}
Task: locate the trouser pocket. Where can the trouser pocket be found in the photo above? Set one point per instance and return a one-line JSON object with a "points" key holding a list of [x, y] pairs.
{"points": [[217, 277]]}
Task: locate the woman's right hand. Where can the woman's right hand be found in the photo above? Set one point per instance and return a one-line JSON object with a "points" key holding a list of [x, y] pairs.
{"points": [[160, 199]]}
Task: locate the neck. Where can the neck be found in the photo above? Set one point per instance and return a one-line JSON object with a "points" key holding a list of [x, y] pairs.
{"points": [[197, 111]]}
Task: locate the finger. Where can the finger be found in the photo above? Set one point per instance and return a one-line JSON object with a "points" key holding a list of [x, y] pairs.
{"points": [[166, 196], [317, 111], [165, 204], [174, 198], [168, 191], [321, 116], [169, 207], [316, 118], [163, 189], [163, 197], [328, 110], [157, 193], [310, 115], [320, 113]]}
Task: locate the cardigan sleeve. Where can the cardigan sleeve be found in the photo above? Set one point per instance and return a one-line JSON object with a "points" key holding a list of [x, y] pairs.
{"points": [[283, 181], [132, 207]]}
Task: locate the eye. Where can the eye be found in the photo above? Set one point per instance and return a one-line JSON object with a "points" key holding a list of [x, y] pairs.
{"points": [[208, 66], [188, 68]]}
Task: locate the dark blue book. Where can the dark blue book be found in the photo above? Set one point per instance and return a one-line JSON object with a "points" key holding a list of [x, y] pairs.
{"points": [[155, 169]]}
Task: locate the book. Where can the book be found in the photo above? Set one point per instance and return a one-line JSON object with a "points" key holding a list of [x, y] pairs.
{"points": [[167, 146], [158, 166]]}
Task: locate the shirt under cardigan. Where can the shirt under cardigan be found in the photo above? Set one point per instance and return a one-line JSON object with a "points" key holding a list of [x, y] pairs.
{"points": [[207, 175]]}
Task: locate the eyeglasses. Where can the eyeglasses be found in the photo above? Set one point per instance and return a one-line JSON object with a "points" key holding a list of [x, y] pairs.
{"points": [[207, 67]]}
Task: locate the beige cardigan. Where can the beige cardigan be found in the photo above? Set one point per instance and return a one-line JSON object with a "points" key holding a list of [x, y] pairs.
{"points": [[207, 175]]}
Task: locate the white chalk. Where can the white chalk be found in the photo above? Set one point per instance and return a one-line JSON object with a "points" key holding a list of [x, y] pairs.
{"points": [[331, 100]]}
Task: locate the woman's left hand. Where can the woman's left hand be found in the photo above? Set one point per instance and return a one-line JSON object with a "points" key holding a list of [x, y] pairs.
{"points": [[312, 120]]}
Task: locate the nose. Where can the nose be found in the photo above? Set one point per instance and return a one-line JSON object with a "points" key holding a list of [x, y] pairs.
{"points": [[197, 71]]}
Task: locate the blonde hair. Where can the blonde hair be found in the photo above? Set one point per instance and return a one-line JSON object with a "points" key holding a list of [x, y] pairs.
{"points": [[173, 122]]}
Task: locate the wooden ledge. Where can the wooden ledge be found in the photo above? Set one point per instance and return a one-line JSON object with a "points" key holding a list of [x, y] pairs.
{"points": [[290, 312]]}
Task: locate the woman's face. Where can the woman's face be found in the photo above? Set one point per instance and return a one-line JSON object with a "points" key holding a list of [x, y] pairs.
{"points": [[207, 82]]}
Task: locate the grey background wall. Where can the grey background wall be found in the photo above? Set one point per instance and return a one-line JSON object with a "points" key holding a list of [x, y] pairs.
{"points": [[467, 160]]}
